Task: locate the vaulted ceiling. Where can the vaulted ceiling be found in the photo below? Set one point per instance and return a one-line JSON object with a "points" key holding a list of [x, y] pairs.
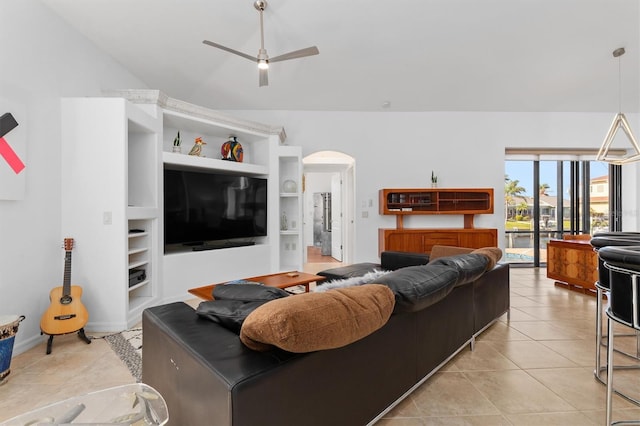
{"points": [[427, 55]]}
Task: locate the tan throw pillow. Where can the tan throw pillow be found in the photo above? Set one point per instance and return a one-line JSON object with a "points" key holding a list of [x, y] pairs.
{"points": [[494, 254], [316, 321], [444, 251]]}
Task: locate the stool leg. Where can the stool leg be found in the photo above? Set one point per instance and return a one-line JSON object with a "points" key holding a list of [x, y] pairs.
{"points": [[596, 372], [609, 372]]}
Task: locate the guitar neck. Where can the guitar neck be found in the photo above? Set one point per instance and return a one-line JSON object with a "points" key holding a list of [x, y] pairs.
{"points": [[66, 283]]}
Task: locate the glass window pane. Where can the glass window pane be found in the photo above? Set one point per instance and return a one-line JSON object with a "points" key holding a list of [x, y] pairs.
{"points": [[518, 187], [548, 192], [599, 197]]}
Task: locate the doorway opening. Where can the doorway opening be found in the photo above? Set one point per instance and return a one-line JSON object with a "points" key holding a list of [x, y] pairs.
{"points": [[328, 208]]}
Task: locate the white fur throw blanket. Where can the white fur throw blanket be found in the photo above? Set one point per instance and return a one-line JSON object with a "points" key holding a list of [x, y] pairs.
{"points": [[368, 278]]}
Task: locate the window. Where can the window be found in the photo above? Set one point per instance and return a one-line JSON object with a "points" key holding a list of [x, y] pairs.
{"points": [[546, 198]]}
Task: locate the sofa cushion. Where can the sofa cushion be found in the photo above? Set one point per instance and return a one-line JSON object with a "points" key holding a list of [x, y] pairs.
{"points": [[438, 251], [494, 254], [228, 313], [470, 266], [355, 270], [316, 321], [416, 287], [247, 292], [392, 260]]}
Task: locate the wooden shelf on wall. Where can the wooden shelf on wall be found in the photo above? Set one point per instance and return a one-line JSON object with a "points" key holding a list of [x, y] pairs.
{"points": [[426, 201], [435, 201]]}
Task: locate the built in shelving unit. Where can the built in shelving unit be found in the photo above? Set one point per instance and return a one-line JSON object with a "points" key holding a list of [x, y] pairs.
{"points": [[291, 229], [111, 170], [114, 152]]}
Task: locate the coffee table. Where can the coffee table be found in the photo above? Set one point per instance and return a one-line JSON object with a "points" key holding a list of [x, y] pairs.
{"points": [[281, 280], [133, 404]]}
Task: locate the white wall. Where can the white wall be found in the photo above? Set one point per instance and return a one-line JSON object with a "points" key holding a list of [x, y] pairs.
{"points": [[465, 149], [43, 59]]}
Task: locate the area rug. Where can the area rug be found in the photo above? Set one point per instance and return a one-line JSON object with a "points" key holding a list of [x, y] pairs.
{"points": [[128, 346]]}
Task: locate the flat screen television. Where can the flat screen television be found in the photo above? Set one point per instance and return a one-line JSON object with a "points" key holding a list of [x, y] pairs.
{"points": [[202, 207]]}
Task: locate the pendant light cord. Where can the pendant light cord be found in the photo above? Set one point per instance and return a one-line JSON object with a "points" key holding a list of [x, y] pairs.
{"points": [[617, 54], [619, 84]]}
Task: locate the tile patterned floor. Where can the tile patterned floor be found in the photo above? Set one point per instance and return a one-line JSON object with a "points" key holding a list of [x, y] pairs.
{"points": [[534, 369]]}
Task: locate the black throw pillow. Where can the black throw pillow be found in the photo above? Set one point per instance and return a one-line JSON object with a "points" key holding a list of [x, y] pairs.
{"points": [[416, 287], [228, 313], [247, 292], [470, 266]]}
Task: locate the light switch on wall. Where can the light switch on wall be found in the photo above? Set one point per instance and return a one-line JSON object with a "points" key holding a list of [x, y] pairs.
{"points": [[107, 218]]}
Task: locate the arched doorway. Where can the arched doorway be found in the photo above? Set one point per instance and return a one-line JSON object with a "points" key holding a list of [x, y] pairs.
{"points": [[329, 205]]}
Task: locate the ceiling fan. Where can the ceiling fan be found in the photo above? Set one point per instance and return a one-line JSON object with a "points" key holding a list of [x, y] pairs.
{"points": [[263, 59]]}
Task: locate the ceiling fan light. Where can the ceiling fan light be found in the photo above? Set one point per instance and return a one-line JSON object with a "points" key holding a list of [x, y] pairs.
{"points": [[263, 64]]}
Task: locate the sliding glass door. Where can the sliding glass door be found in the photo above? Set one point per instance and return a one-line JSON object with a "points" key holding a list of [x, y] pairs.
{"points": [[547, 199]]}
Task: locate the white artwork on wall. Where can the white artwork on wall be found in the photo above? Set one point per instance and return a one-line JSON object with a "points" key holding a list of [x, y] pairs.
{"points": [[13, 148]]}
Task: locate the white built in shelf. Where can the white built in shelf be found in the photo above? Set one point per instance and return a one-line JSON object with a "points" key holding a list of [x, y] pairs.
{"points": [[135, 212], [138, 264], [192, 161], [137, 250], [138, 234], [137, 286]]}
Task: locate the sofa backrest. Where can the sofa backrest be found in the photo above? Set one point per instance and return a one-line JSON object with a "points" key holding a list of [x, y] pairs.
{"points": [[392, 260]]}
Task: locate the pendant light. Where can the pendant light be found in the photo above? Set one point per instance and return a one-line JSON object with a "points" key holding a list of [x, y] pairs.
{"points": [[619, 121]]}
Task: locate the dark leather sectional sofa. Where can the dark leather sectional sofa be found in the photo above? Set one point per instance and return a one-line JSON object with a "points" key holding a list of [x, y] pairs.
{"points": [[209, 377]]}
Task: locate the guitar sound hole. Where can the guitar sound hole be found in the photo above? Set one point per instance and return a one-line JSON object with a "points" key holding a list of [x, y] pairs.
{"points": [[65, 300]]}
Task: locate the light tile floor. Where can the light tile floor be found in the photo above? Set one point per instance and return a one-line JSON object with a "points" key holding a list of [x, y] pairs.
{"points": [[534, 369]]}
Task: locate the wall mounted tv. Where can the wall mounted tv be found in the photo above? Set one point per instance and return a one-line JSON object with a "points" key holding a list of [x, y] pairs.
{"points": [[209, 210]]}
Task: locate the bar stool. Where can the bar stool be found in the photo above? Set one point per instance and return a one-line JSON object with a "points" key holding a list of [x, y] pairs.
{"points": [[623, 264], [599, 241]]}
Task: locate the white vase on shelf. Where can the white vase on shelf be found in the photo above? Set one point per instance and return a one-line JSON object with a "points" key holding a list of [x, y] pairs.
{"points": [[289, 186]]}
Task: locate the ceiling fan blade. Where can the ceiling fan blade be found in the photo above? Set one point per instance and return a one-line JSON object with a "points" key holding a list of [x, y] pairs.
{"points": [[263, 77], [228, 49], [309, 51]]}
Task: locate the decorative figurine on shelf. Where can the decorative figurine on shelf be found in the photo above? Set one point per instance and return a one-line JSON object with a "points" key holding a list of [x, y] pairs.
{"points": [[232, 150], [197, 147], [289, 186], [176, 144], [434, 180]]}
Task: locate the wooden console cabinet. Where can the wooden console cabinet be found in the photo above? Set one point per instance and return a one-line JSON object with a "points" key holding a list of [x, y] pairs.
{"points": [[573, 264], [435, 201]]}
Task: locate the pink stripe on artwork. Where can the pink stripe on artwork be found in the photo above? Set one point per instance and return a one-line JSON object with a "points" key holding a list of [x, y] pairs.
{"points": [[10, 156]]}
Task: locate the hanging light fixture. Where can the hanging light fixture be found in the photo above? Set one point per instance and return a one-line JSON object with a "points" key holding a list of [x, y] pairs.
{"points": [[619, 121]]}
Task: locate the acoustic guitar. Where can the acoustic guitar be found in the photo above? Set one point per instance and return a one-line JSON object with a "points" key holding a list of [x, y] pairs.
{"points": [[66, 313]]}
